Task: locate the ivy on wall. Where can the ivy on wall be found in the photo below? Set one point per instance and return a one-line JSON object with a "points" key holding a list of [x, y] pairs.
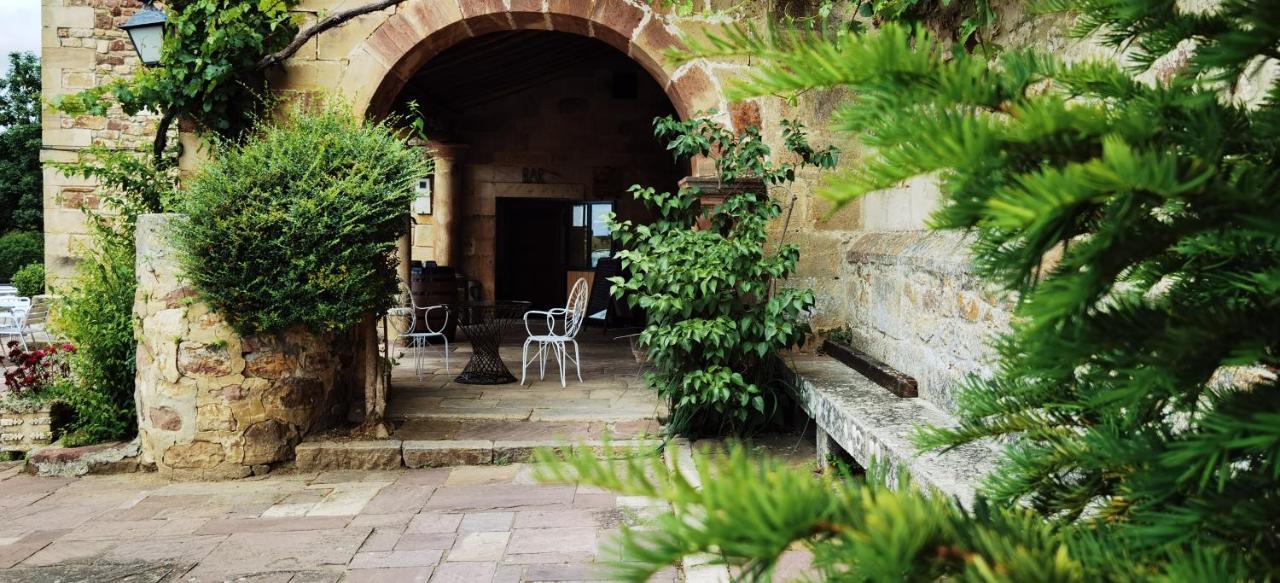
{"points": [[208, 71]]}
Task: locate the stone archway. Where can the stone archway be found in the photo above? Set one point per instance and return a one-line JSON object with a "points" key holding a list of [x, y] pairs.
{"points": [[379, 67]]}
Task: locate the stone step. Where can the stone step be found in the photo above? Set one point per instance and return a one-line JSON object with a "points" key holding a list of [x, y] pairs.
{"points": [[68, 462], [390, 454]]}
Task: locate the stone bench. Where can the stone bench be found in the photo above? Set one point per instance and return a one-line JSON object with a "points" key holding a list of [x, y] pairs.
{"points": [[874, 427]]}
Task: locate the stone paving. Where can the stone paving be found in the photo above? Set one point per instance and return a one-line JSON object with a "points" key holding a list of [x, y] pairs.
{"points": [[466, 524], [612, 388]]}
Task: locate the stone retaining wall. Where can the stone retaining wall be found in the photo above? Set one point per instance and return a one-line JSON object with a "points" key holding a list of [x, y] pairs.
{"points": [[23, 429], [213, 404], [915, 304]]}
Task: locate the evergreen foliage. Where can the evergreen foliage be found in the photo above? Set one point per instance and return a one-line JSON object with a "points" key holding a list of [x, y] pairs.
{"points": [[21, 206], [1138, 225], [714, 325], [747, 511], [298, 225], [29, 280]]}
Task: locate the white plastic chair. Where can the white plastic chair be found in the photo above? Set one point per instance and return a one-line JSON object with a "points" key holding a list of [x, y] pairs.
{"points": [[572, 315], [8, 290], [419, 341]]}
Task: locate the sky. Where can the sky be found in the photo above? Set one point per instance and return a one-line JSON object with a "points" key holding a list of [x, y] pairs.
{"points": [[19, 28]]}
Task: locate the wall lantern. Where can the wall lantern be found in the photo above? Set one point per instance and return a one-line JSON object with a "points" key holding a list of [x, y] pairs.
{"points": [[146, 30]]}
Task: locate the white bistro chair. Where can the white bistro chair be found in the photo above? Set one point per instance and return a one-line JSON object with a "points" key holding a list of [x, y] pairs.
{"points": [[13, 318], [419, 341], [568, 320]]}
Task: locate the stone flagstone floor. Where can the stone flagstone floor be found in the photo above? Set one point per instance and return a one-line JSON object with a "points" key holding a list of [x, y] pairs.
{"points": [[465, 524], [612, 388]]}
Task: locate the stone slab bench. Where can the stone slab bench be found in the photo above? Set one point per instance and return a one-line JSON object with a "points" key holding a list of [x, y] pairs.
{"points": [[875, 426]]}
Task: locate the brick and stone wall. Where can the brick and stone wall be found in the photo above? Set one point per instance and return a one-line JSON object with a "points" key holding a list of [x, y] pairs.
{"points": [[214, 404], [83, 47]]}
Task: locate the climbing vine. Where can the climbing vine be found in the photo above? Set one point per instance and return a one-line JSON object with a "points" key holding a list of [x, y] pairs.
{"points": [[212, 69], [704, 278], [208, 72]]}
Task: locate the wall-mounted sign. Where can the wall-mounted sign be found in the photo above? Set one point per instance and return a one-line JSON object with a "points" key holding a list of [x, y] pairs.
{"points": [[422, 200]]}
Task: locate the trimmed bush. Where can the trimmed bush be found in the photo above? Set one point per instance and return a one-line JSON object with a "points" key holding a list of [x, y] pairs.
{"points": [[298, 225], [30, 280], [19, 248]]}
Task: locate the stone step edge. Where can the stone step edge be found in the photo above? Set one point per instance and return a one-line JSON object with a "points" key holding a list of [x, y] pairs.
{"points": [[874, 427], [533, 415], [391, 454], [54, 460]]}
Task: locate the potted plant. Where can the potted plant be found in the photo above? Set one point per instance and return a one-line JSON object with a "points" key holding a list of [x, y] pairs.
{"points": [[31, 415]]}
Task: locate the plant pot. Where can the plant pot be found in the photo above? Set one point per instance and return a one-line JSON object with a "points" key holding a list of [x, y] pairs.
{"points": [[26, 425]]}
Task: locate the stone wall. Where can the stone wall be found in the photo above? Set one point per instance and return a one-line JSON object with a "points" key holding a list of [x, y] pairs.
{"points": [[915, 304], [213, 404], [82, 47]]}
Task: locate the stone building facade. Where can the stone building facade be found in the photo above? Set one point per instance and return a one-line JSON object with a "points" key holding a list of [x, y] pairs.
{"points": [[906, 293]]}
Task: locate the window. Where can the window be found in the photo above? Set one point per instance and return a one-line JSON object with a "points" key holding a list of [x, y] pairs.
{"points": [[589, 236]]}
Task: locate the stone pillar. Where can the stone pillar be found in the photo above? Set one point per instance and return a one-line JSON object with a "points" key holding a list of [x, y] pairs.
{"points": [[445, 201], [212, 403]]}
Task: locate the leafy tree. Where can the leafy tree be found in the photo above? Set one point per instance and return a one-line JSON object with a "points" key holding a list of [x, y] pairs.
{"points": [[1138, 224], [714, 324], [20, 174], [19, 248]]}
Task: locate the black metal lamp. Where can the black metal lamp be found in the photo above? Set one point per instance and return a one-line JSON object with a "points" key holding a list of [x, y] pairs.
{"points": [[146, 30]]}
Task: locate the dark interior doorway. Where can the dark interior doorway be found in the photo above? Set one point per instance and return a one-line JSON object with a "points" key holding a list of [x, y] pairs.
{"points": [[540, 115], [531, 248]]}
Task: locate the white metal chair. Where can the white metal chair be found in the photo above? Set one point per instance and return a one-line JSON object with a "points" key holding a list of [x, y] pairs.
{"points": [[13, 323], [419, 341], [571, 316]]}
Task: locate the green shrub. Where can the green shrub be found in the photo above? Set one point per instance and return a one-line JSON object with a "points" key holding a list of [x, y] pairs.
{"points": [[19, 248], [298, 225], [30, 280], [95, 311], [714, 323]]}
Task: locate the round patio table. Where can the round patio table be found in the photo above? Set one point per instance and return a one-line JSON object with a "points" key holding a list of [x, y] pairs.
{"points": [[484, 323]]}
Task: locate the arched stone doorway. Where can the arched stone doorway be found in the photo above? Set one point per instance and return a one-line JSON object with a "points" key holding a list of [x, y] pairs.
{"points": [[379, 67], [594, 74], [377, 70]]}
